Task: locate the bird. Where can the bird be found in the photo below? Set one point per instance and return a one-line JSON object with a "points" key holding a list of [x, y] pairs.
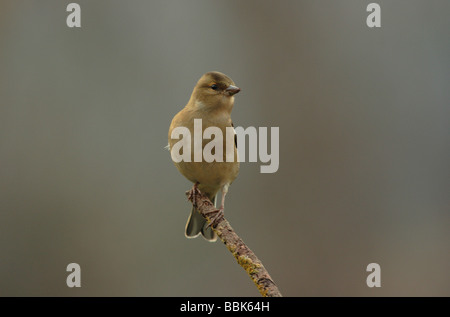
{"points": [[212, 101]]}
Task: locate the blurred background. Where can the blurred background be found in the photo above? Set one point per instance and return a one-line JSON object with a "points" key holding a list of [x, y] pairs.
{"points": [[364, 171]]}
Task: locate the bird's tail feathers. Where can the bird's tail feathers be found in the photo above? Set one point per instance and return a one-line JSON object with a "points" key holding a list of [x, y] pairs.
{"points": [[196, 224]]}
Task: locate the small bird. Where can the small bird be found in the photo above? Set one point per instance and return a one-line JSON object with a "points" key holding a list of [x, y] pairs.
{"points": [[212, 101]]}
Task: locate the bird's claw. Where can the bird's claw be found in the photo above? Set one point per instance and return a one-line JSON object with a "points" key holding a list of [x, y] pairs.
{"points": [[215, 218]]}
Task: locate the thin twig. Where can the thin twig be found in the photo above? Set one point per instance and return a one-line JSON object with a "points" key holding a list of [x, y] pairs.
{"points": [[244, 256]]}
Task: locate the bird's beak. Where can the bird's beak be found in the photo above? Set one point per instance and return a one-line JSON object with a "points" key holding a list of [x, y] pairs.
{"points": [[232, 90]]}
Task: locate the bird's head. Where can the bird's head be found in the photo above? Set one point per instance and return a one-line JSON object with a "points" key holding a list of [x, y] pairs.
{"points": [[214, 90]]}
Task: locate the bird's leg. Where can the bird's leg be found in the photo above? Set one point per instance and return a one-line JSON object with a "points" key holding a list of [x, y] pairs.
{"points": [[224, 193], [219, 214], [192, 194]]}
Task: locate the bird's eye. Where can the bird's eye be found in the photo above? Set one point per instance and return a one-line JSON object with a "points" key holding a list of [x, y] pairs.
{"points": [[214, 87]]}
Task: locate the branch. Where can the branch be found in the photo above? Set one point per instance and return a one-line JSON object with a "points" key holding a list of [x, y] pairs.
{"points": [[244, 256]]}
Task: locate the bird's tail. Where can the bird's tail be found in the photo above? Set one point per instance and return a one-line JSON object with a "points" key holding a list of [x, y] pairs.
{"points": [[196, 224]]}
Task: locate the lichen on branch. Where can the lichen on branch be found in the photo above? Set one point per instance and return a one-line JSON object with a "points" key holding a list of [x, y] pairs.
{"points": [[242, 253]]}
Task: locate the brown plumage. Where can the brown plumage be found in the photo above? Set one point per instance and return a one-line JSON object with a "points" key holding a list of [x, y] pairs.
{"points": [[212, 101]]}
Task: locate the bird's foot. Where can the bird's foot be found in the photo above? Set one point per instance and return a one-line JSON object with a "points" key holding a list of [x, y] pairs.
{"points": [[192, 194], [216, 217]]}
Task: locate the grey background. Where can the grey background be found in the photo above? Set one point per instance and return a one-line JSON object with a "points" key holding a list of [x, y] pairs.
{"points": [[364, 146]]}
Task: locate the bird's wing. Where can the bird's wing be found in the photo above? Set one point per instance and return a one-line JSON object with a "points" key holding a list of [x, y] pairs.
{"points": [[235, 135]]}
